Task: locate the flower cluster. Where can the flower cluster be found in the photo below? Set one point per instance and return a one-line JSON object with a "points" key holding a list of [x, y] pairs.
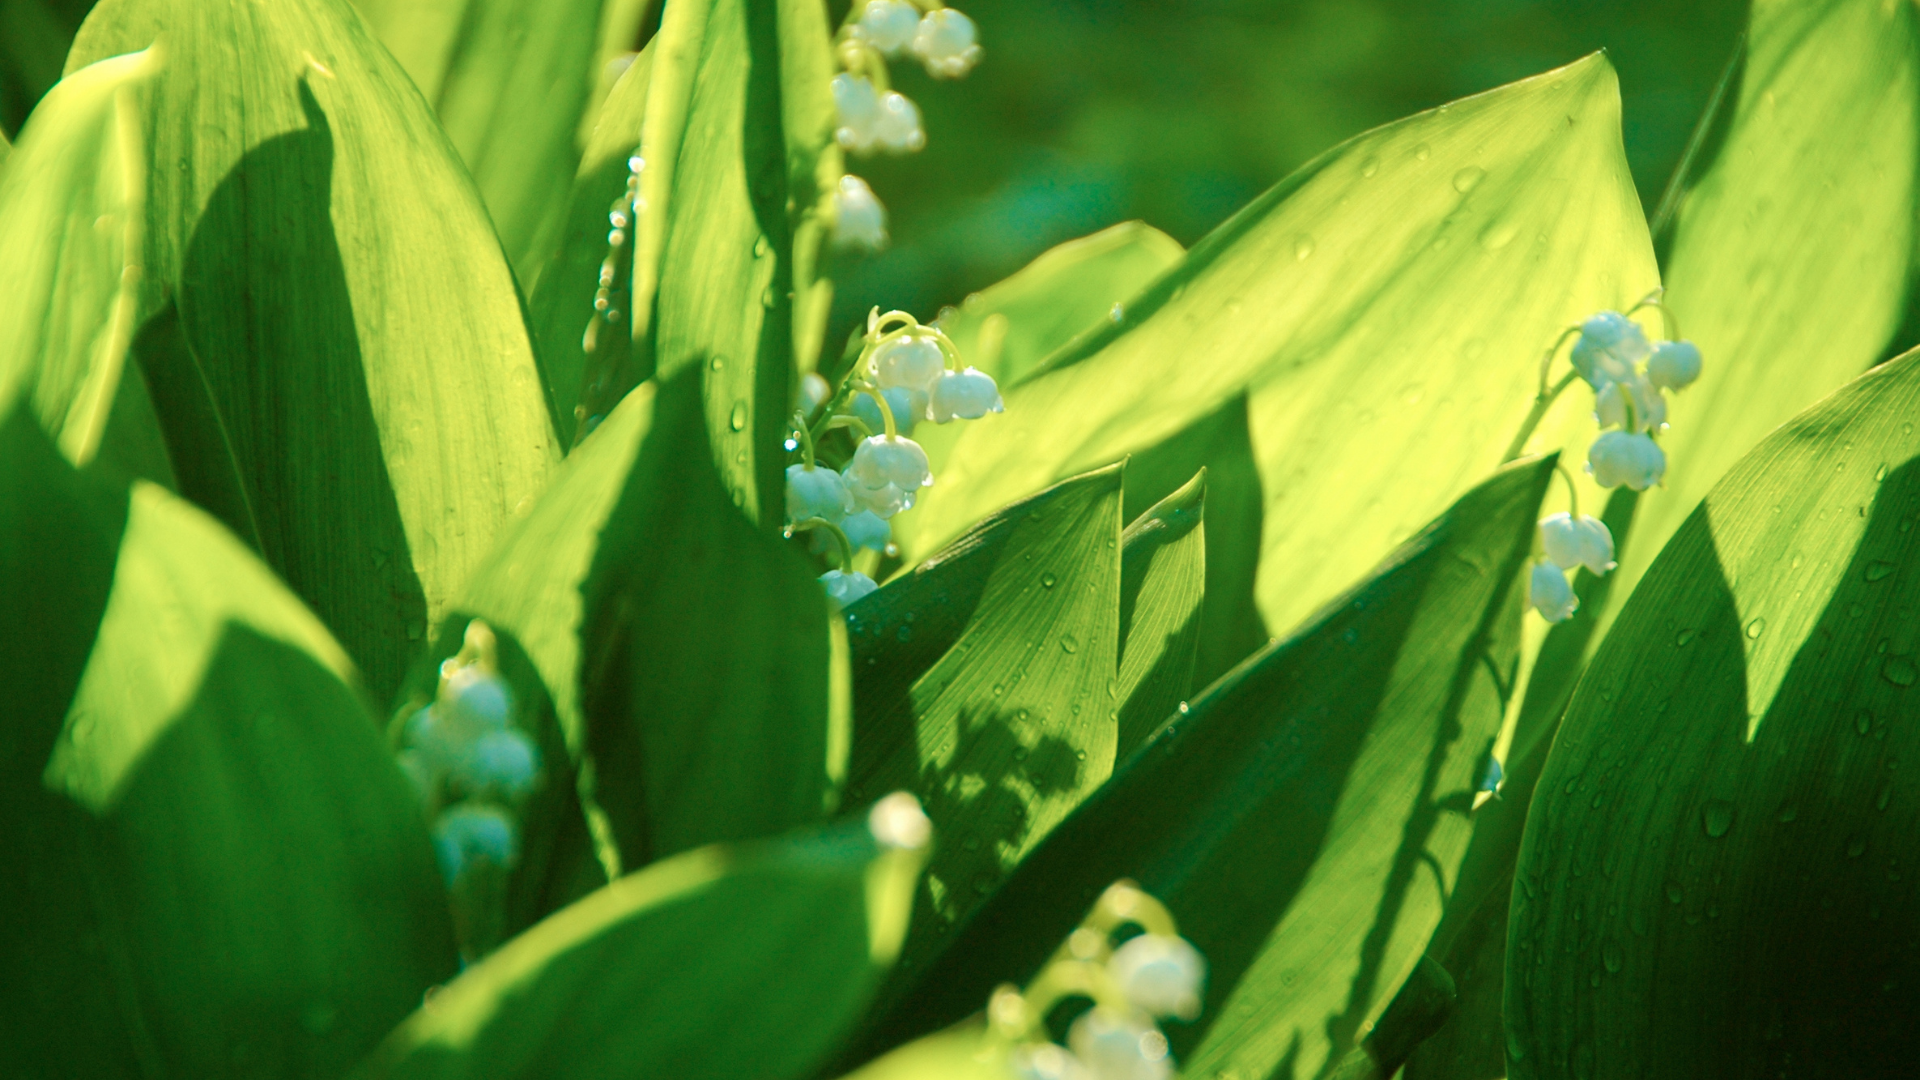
{"points": [[1630, 378], [1157, 975], [873, 118], [470, 763], [906, 373]]}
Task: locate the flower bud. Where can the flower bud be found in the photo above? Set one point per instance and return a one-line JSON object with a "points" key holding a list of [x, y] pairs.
{"points": [[897, 820], [881, 460], [1649, 405], [471, 833], [857, 110], [499, 763], [965, 395], [945, 43], [844, 587], [912, 360], [898, 130], [1160, 975], [474, 700], [866, 529], [1550, 594], [859, 221], [1620, 458], [1674, 365], [909, 407], [888, 25], [1119, 1047], [1582, 541], [882, 502], [1608, 347], [816, 492]]}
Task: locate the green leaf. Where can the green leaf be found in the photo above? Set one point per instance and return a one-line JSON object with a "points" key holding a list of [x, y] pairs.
{"points": [[1296, 816], [1744, 717], [509, 80], [1015, 722], [215, 867], [965, 1053], [337, 357], [72, 228], [1790, 259], [1386, 308], [561, 310], [1162, 578], [34, 36], [664, 972]]}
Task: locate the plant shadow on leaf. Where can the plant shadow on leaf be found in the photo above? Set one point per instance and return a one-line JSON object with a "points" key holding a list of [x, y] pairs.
{"points": [[1008, 763], [315, 495]]}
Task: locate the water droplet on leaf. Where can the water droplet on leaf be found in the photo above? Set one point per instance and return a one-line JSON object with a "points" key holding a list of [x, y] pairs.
{"points": [[1468, 178], [1717, 818], [1878, 570], [1899, 670], [737, 420]]}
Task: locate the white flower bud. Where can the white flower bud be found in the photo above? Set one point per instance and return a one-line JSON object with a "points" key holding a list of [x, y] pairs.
{"points": [[816, 492], [1160, 975], [1608, 347], [1549, 593], [857, 107], [472, 833], [499, 763], [1118, 1047], [945, 43], [1046, 1061], [882, 502], [912, 360], [859, 221], [1582, 541], [844, 588], [909, 407], [1649, 405], [866, 530], [898, 129], [964, 395], [888, 25], [897, 821], [1675, 365], [813, 392], [880, 461], [1619, 458], [474, 700]]}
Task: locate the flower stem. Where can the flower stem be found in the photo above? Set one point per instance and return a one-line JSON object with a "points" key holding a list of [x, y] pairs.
{"points": [[806, 438], [1573, 493], [1546, 360], [1541, 403], [839, 538], [886, 411]]}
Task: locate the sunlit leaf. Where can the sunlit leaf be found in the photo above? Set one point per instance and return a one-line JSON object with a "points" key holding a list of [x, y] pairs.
{"points": [[1302, 819], [214, 866], [664, 972], [1386, 307], [1162, 580], [337, 356], [1721, 839]]}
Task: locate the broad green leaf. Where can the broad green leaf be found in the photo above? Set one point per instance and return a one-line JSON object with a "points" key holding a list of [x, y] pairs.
{"points": [[1712, 877], [964, 1053], [1015, 722], [214, 866], [1162, 579], [561, 310], [664, 972], [34, 36], [72, 225], [509, 80], [1302, 819], [337, 356], [1790, 258], [1386, 308]]}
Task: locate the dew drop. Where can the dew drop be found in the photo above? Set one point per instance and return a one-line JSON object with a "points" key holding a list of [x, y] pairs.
{"points": [[1880, 473], [1673, 892], [1717, 818], [1118, 313], [1422, 152], [1756, 628], [737, 420], [761, 247], [1370, 167], [905, 634], [1302, 247], [717, 363], [1786, 813], [768, 297], [1047, 581], [1863, 721], [1069, 643], [1680, 639], [1468, 178], [1856, 845], [1498, 234], [1611, 957], [1878, 570], [1899, 670]]}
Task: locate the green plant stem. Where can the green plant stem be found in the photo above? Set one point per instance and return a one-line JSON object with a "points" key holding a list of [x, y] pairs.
{"points": [[1573, 493], [813, 524], [1541, 403]]}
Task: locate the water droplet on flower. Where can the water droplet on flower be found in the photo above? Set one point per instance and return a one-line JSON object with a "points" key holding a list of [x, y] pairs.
{"points": [[791, 444], [737, 420], [1468, 178], [1878, 570], [1302, 247], [1717, 818], [1899, 670]]}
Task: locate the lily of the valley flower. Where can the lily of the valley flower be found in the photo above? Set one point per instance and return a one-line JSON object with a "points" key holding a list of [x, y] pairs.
{"points": [[859, 221], [501, 764], [1116, 1046], [867, 530], [857, 105], [1160, 975], [814, 492], [1618, 457], [886, 473], [946, 42], [845, 586], [888, 25], [913, 361], [1046, 1061], [473, 833], [909, 407], [1549, 593], [474, 700], [897, 129], [1649, 404], [1674, 365], [1608, 347], [1582, 541], [963, 395]]}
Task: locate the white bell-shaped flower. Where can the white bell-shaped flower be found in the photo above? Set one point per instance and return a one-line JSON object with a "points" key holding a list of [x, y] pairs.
{"points": [[883, 460], [857, 110], [1649, 404], [1115, 1046], [888, 25], [909, 407], [844, 587], [1160, 975], [1674, 365], [1607, 348], [912, 360], [1582, 541], [898, 823], [1621, 458], [1549, 593], [963, 395], [471, 833], [859, 221], [1046, 1061], [474, 700], [866, 529], [812, 393], [503, 764], [814, 492], [946, 43], [898, 130], [882, 502]]}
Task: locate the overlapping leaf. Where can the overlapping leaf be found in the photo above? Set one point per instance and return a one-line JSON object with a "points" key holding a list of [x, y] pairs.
{"points": [[664, 971], [1744, 715], [215, 867], [1302, 819], [34, 36], [1387, 306], [1162, 583], [337, 356]]}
